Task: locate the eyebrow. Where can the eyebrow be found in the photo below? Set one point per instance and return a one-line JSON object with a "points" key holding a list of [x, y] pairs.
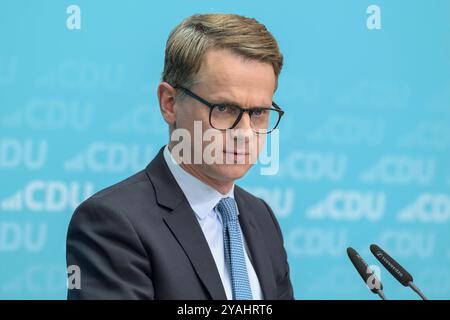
{"points": [[235, 104]]}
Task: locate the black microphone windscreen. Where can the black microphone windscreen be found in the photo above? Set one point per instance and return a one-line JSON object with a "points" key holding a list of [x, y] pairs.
{"points": [[370, 279], [391, 265]]}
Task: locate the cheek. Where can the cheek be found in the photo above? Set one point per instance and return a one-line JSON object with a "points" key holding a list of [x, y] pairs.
{"points": [[261, 141], [255, 147], [183, 119], [188, 114]]}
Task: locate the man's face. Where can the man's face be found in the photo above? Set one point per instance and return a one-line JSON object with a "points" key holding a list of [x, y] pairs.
{"points": [[225, 77]]}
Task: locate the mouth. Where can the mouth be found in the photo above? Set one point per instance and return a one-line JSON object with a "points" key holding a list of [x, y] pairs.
{"points": [[236, 157], [236, 153]]}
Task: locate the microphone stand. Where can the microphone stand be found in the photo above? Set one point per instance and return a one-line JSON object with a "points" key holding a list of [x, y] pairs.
{"points": [[416, 290]]}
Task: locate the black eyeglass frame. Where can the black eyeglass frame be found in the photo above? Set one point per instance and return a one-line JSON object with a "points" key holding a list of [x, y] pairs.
{"points": [[250, 111]]}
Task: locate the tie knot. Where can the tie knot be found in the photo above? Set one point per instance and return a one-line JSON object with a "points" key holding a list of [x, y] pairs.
{"points": [[227, 208]]}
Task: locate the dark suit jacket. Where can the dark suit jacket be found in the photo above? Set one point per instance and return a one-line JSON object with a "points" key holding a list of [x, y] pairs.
{"points": [[140, 239]]}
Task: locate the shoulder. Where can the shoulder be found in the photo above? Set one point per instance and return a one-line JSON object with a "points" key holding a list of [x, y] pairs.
{"points": [[124, 188], [117, 202]]}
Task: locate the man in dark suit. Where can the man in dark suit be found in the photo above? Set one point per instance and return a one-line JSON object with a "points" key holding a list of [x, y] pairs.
{"points": [[181, 228]]}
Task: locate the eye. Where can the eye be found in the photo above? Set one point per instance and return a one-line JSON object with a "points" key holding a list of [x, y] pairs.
{"points": [[259, 112], [227, 109], [222, 107]]}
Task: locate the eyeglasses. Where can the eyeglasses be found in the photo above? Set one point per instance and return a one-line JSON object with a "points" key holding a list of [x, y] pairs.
{"points": [[224, 116]]}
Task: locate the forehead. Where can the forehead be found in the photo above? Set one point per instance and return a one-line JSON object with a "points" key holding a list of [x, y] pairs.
{"points": [[223, 73]]}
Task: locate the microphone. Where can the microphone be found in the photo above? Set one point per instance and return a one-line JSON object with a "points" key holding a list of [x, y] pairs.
{"points": [[369, 277], [394, 268]]}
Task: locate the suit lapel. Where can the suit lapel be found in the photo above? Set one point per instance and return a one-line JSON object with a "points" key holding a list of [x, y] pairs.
{"points": [[182, 223], [186, 229], [256, 245]]}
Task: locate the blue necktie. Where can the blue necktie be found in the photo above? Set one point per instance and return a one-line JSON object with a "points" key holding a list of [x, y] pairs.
{"points": [[234, 250]]}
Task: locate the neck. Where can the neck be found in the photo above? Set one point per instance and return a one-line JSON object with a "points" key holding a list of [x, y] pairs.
{"points": [[221, 186], [194, 170]]}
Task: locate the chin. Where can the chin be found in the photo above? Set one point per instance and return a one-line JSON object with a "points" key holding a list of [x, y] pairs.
{"points": [[231, 171]]}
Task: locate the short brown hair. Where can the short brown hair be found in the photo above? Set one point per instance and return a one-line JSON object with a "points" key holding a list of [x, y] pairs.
{"points": [[189, 41]]}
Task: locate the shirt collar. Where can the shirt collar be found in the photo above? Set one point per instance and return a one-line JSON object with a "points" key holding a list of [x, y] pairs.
{"points": [[201, 197]]}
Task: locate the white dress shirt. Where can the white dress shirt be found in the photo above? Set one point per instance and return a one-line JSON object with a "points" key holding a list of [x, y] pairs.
{"points": [[203, 200]]}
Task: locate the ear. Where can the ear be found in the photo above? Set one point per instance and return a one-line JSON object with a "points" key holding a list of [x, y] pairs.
{"points": [[166, 98]]}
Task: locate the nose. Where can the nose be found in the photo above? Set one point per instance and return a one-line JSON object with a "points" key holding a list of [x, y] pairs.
{"points": [[243, 130], [245, 122]]}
